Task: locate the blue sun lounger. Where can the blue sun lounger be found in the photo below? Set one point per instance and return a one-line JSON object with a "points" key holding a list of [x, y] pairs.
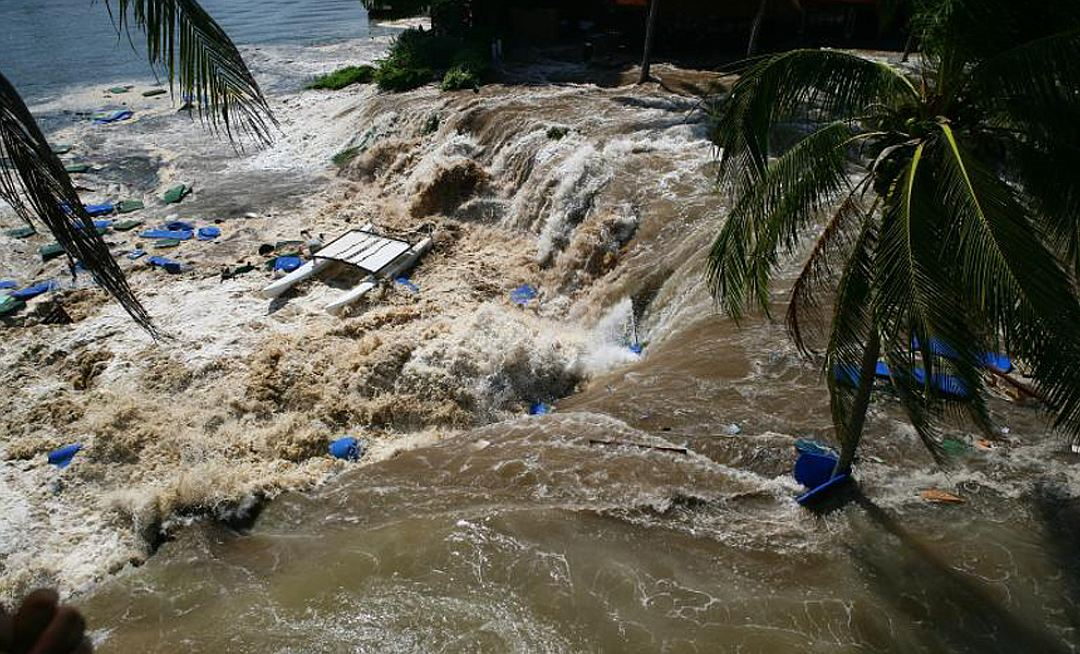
{"points": [[35, 290], [114, 116], [167, 234]]}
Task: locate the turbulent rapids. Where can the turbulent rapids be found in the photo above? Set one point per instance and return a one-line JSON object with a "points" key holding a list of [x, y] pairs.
{"points": [[472, 526]]}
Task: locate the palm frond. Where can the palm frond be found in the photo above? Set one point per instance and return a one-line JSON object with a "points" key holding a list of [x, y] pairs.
{"points": [[832, 250], [1045, 175], [818, 85], [852, 339], [1033, 87], [200, 58], [768, 216], [916, 302], [1013, 279], [33, 181]]}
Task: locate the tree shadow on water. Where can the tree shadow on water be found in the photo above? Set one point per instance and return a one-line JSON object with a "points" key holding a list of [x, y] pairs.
{"points": [[956, 611]]}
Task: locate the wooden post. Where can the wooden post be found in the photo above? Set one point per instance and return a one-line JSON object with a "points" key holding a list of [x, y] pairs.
{"points": [[650, 28]]}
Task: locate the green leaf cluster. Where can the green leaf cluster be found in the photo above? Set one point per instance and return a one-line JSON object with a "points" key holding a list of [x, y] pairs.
{"points": [[347, 76]]}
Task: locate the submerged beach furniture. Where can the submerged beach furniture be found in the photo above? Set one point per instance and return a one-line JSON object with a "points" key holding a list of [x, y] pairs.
{"points": [[10, 305], [348, 449], [77, 167], [523, 294], [379, 256], [288, 264], [814, 469], [100, 209], [127, 206], [208, 233], [948, 385], [127, 225], [112, 116], [179, 226], [176, 193], [21, 232], [50, 251], [407, 284], [167, 234], [154, 92], [61, 458], [33, 291], [8, 283], [540, 409], [135, 254], [170, 266]]}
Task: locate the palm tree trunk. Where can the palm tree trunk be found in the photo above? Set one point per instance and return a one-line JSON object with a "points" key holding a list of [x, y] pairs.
{"points": [[862, 403], [650, 28], [755, 28]]}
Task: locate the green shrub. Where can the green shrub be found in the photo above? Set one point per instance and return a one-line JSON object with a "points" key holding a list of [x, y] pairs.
{"points": [[343, 77], [460, 77], [392, 77], [416, 57]]}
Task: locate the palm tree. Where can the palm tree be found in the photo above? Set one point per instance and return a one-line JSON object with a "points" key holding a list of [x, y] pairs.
{"points": [[950, 202], [199, 58]]}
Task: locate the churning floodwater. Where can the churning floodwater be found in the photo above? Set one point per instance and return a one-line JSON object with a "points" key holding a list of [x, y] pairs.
{"points": [[567, 532]]}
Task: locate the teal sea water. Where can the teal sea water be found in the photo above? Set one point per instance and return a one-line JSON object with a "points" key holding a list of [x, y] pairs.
{"points": [[47, 45]]}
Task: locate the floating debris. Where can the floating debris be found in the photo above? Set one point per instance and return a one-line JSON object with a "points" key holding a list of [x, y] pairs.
{"points": [[523, 294], [937, 496], [176, 194], [61, 458], [348, 449], [127, 206]]}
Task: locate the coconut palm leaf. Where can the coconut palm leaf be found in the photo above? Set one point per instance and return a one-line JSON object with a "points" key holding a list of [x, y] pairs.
{"points": [[768, 218], [200, 58], [818, 85], [1022, 288], [33, 181], [853, 341], [831, 253]]}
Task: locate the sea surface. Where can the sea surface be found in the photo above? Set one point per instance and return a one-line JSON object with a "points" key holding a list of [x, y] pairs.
{"points": [[48, 45]]}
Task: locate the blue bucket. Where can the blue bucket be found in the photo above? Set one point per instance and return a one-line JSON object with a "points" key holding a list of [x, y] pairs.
{"points": [[62, 457], [540, 409], [348, 449], [813, 469]]}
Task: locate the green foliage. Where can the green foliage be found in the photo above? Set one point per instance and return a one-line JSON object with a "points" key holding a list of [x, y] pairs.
{"points": [[460, 77], [416, 57], [949, 211], [393, 77], [343, 77]]}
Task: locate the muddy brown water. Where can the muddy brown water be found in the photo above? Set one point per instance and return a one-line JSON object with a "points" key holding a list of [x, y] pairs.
{"points": [[528, 535]]}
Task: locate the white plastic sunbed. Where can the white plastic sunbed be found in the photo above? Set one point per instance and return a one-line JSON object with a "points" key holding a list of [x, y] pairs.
{"points": [[382, 257]]}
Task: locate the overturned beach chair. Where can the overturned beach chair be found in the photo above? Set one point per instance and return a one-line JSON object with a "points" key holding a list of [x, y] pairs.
{"points": [[379, 256]]}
